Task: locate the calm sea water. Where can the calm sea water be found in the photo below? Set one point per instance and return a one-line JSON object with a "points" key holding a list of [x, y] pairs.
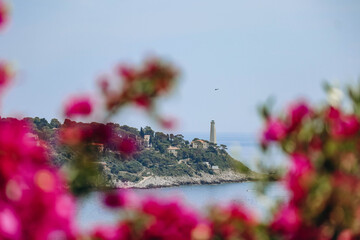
{"points": [[242, 147]]}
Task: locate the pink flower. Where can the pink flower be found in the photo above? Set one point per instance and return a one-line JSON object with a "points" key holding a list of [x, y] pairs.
{"points": [[168, 123], [233, 222], [297, 112], [143, 101], [299, 177], [121, 232], [104, 84], [78, 106], [127, 146], [121, 198], [32, 193], [9, 223], [5, 73], [3, 14], [287, 220], [127, 73], [275, 130], [333, 113], [344, 126], [169, 220], [347, 235]]}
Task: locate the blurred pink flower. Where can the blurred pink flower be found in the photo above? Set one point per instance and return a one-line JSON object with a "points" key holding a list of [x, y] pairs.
{"points": [[121, 198], [120, 232], [143, 101], [3, 14], [10, 227], [344, 126], [298, 177], [103, 83], [168, 123], [275, 130], [169, 220], [78, 106], [332, 113], [233, 222], [127, 146], [31, 191], [287, 220], [5, 74], [126, 73], [297, 112]]}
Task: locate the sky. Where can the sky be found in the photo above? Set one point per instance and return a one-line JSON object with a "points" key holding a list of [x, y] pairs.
{"points": [[250, 50]]}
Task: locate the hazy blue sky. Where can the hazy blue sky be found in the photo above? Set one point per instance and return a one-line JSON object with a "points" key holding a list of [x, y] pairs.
{"points": [[248, 49]]}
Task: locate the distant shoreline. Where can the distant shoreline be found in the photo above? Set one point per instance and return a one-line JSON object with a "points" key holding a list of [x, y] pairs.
{"points": [[227, 176]]}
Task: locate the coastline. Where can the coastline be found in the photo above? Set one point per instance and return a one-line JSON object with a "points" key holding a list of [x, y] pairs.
{"points": [[227, 176]]}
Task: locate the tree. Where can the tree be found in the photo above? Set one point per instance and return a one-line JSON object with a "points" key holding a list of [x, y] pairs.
{"points": [[40, 122], [130, 130], [54, 123], [142, 134], [149, 131]]}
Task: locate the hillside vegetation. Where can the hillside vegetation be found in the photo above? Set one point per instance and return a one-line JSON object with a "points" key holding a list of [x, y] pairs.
{"points": [[150, 159]]}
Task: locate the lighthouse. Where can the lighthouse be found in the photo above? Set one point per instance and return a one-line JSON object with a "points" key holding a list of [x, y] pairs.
{"points": [[212, 132]]}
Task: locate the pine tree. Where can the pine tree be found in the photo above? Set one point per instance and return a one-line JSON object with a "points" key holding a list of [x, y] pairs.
{"points": [[142, 134]]}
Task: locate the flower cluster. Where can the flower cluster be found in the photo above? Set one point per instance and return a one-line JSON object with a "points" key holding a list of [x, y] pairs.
{"points": [[31, 192], [232, 222], [151, 219], [323, 178], [139, 85]]}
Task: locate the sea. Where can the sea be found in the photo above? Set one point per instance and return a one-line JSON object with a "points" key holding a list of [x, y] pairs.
{"points": [[243, 147]]}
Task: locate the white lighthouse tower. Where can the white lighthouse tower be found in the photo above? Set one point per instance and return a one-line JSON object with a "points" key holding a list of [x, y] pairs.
{"points": [[212, 132]]}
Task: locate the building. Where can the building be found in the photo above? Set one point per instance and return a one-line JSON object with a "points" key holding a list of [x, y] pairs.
{"points": [[98, 146], [173, 150], [212, 132], [215, 168], [147, 141], [201, 144]]}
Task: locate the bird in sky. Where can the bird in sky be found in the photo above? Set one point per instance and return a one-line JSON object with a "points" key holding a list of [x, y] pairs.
{"points": [[216, 89]]}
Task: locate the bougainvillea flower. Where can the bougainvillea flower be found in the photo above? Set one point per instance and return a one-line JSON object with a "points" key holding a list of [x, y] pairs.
{"points": [[5, 74], [344, 126], [233, 222], [120, 232], [103, 83], [9, 223], [3, 14], [287, 220], [332, 113], [121, 198], [297, 112], [32, 192], [143, 101], [275, 130], [299, 177], [168, 123], [128, 74], [127, 146], [78, 106], [169, 220]]}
